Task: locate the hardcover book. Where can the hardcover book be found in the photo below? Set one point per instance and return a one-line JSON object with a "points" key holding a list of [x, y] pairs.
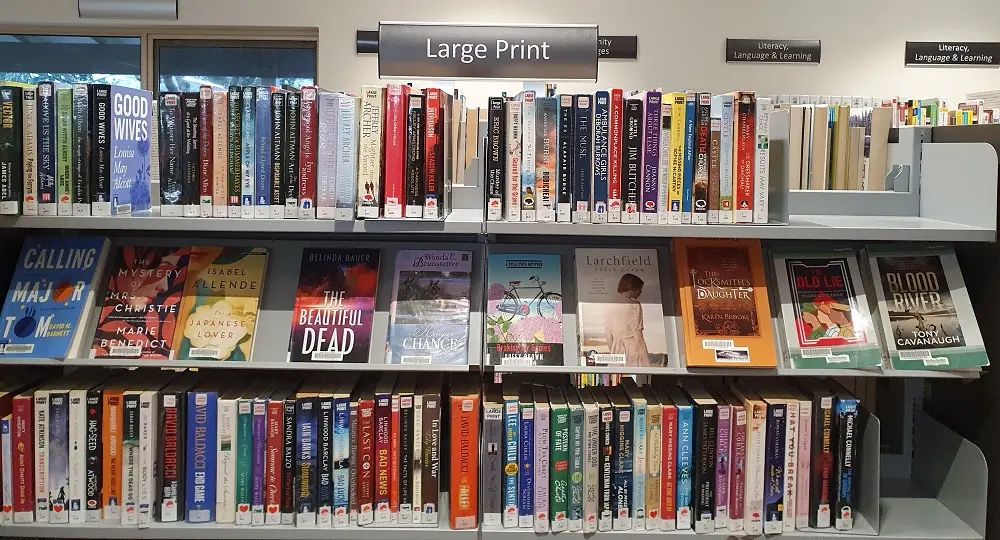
{"points": [[50, 295], [139, 315], [524, 310], [926, 313], [429, 316], [620, 311], [723, 297], [218, 312], [335, 305], [825, 313]]}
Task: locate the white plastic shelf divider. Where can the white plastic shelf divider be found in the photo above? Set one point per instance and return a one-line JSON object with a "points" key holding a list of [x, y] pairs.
{"points": [[746, 372]]}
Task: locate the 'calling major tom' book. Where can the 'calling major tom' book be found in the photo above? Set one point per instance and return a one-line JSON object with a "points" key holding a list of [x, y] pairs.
{"points": [[335, 305], [429, 316], [524, 310]]}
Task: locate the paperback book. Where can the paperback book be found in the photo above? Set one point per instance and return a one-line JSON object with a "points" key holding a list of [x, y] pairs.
{"points": [[524, 310]]}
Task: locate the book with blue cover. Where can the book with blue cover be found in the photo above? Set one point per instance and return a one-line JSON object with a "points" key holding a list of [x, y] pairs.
{"points": [[690, 115], [51, 296], [202, 453], [602, 134], [263, 152], [131, 132]]}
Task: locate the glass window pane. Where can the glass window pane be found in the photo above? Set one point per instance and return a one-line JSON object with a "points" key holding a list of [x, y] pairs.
{"points": [[185, 66], [29, 59]]}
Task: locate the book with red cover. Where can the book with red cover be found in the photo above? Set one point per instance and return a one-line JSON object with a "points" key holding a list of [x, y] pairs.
{"points": [[307, 152], [394, 149], [206, 151], [464, 492], [433, 154], [366, 458], [394, 456], [23, 458], [615, 157], [746, 147]]}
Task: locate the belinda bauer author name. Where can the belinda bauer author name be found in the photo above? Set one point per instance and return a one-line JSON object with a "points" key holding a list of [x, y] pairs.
{"points": [[468, 53]]}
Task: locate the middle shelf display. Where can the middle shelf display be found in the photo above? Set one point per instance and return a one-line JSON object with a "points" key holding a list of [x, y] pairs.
{"points": [[707, 305]]}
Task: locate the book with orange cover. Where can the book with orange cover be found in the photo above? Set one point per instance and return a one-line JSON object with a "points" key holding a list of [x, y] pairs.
{"points": [[464, 491], [112, 463], [724, 306]]}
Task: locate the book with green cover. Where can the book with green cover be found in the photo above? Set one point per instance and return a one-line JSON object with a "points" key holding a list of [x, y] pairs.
{"points": [[244, 458], [576, 442], [64, 151], [559, 462]]}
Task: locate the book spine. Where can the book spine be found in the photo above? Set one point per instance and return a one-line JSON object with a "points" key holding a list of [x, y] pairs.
{"points": [[243, 444], [305, 462], [745, 141], [805, 455], [542, 457], [546, 157], [526, 460], [308, 135], [58, 449], [493, 428], [258, 494], [41, 422], [847, 416], [591, 469], [220, 154], [205, 151], [726, 160], [290, 174], [714, 158], [512, 421], [602, 134], [394, 459], [668, 493], [678, 124], [288, 463], [564, 161], [64, 151], [465, 439], [528, 179], [171, 153], [650, 174], [383, 436], [111, 459], [622, 458], [235, 150], [703, 143], [225, 499], [576, 468], [370, 152], [791, 464], [654, 466], [92, 473], [432, 459], [202, 430], [341, 462], [273, 465], [324, 476], [327, 126], [666, 117], [762, 160], [753, 513], [47, 192], [406, 461], [639, 448], [23, 444], [248, 153], [415, 171], [433, 154], [347, 158], [616, 126], [147, 462], [820, 505], [29, 139], [722, 467], [262, 152], [495, 160], [738, 455], [583, 160], [512, 162], [78, 454], [170, 465], [81, 150], [366, 460], [191, 111], [417, 456], [130, 459], [607, 502], [395, 150], [685, 457], [279, 151], [559, 470], [632, 161], [6, 472], [11, 163], [690, 137], [704, 480], [774, 478]]}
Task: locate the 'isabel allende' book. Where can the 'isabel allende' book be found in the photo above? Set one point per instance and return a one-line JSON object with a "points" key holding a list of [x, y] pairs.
{"points": [[524, 310], [335, 305], [429, 316]]}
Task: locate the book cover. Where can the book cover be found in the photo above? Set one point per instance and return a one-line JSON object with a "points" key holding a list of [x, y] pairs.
{"points": [[394, 156], [170, 471], [678, 123], [58, 457], [723, 469], [591, 461], [654, 458], [524, 310], [464, 449], [47, 192], [259, 460], [546, 157], [492, 467], [51, 291], [277, 173], [622, 460], [668, 483], [651, 121], [139, 314], [602, 134], [327, 132], [529, 197], [334, 305], [234, 185], [288, 465], [583, 161], [744, 146], [511, 440], [23, 475], [724, 303], [202, 430], [690, 137], [564, 160], [429, 315], [305, 460], [632, 155], [577, 428], [685, 456], [131, 129], [722, 108], [924, 307], [324, 461], [666, 128], [620, 308], [606, 433], [774, 462], [248, 154], [846, 419], [262, 151], [6, 471], [543, 456], [824, 310], [762, 159], [432, 447], [218, 311]]}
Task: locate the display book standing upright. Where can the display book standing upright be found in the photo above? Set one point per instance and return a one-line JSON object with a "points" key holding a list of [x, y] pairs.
{"points": [[524, 309]]}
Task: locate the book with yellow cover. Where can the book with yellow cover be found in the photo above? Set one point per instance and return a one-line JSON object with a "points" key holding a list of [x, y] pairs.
{"points": [[218, 313], [724, 306], [676, 159]]}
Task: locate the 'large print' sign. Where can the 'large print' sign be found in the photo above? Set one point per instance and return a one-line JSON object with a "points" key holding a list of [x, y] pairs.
{"points": [[455, 51]]}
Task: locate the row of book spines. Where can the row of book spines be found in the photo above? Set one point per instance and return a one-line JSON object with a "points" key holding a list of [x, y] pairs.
{"points": [[56, 149], [645, 157]]}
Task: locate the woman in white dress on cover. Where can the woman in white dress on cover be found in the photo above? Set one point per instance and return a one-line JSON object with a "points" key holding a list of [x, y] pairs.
{"points": [[623, 323]]}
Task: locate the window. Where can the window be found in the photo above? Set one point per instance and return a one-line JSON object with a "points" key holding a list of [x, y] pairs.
{"points": [[28, 58], [185, 65]]}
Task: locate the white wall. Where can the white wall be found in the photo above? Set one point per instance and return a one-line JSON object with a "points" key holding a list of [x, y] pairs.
{"points": [[681, 42]]}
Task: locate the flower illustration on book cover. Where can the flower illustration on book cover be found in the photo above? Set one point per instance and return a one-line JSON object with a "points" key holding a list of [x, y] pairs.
{"points": [[524, 310], [826, 310]]}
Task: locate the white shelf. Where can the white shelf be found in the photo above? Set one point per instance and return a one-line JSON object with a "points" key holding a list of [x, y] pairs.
{"points": [[209, 364], [219, 531], [860, 228], [746, 372]]}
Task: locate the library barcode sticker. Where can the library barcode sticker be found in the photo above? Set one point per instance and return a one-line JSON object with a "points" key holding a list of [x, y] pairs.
{"points": [[413, 359], [204, 352], [838, 359], [915, 355], [817, 352], [717, 344], [127, 352], [518, 360], [608, 358], [18, 348], [327, 356], [936, 361]]}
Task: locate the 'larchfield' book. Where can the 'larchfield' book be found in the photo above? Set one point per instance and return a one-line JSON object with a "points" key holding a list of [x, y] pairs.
{"points": [[335, 305], [429, 316], [524, 310], [51, 295]]}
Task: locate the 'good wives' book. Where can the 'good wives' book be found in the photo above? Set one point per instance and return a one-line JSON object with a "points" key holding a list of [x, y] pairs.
{"points": [[218, 313], [524, 310], [141, 304], [335, 305], [825, 314], [925, 309], [51, 296], [429, 317]]}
